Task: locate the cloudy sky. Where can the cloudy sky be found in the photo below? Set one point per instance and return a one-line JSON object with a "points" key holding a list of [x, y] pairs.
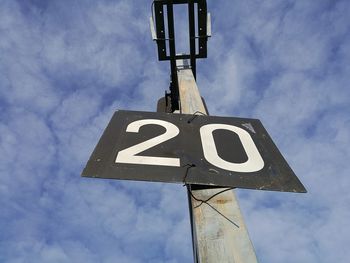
{"points": [[66, 66]]}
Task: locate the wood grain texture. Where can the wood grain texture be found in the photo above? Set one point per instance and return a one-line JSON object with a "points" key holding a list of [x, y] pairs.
{"points": [[221, 235]]}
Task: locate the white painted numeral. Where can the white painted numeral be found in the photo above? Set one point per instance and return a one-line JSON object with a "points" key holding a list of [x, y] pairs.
{"points": [[128, 155], [253, 164]]}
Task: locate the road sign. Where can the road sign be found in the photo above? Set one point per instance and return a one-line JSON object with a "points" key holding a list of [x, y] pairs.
{"points": [[193, 149]]}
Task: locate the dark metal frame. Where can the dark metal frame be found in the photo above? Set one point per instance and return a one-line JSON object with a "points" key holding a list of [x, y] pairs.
{"points": [[159, 7], [160, 29]]}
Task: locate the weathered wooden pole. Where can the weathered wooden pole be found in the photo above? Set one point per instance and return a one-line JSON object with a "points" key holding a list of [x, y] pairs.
{"points": [[219, 232]]}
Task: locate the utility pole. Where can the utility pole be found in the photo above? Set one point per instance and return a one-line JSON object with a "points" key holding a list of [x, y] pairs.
{"points": [[218, 229]]}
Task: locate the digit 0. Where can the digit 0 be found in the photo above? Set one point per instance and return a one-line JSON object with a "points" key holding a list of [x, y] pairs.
{"points": [[253, 164]]}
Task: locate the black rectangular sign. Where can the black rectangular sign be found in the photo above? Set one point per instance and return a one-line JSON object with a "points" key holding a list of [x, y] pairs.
{"points": [[192, 149]]}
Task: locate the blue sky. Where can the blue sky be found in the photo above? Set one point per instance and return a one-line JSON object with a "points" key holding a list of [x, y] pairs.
{"points": [[66, 66]]}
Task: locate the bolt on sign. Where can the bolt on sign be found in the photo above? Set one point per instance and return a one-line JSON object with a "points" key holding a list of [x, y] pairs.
{"points": [[191, 149]]}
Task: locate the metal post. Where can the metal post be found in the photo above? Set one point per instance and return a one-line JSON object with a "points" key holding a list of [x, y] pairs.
{"points": [[219, 233]]}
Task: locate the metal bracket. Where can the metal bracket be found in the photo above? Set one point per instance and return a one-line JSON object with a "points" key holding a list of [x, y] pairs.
{"points": [[158, 30], [165, 37]]}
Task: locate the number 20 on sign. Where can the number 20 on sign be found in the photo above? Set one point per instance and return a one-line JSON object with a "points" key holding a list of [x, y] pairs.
{"points": [[221, 151], [129, 155]]}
